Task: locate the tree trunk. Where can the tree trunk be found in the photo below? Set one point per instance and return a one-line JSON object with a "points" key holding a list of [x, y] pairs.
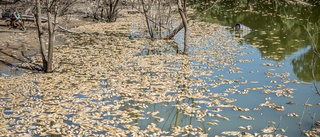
{"points": [[145, 12], [114, 10], [46, 60], [40, 36], [51, 38], [183, 14], [175, 31]]}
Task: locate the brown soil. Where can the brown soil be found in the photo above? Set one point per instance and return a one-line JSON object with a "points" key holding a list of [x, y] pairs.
{"points": [[14, 45], [17, 46]]}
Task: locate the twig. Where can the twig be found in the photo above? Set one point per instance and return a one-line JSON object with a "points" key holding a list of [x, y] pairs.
{"points": [[275, 131], [315, 50], [214, 4], [312, 117], [13, 31], [23, 55], [300, 123], [314, 77]]}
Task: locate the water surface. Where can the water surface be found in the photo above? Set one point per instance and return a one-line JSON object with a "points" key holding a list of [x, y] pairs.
{"points": [[281, 53]]}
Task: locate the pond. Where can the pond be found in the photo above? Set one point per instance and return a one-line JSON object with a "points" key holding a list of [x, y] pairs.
{"points": [[268, 87], [280, 51]]}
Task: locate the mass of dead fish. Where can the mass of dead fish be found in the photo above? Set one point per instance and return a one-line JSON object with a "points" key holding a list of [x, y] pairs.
{"points": [[103, 84]]}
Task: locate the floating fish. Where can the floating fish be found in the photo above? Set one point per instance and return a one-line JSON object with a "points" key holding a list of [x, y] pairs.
{"points": [[292, 115]]}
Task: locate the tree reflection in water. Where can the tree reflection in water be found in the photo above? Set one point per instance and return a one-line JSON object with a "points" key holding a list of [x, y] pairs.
{"points": [[281, 29]]}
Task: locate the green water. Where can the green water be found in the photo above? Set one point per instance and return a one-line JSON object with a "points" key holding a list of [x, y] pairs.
{"points": [[277, 27], [281, 38]]}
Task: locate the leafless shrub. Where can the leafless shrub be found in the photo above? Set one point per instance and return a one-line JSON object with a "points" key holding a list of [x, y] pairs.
{"points": [[157, 16], [105, 9], [64, 6]]}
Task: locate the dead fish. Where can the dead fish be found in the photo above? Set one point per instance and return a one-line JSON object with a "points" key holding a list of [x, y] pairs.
{"points": [[268, 129], [317, 123], [307, 105], [246, 117], [279, 108], [292, 115], [290, 103]]}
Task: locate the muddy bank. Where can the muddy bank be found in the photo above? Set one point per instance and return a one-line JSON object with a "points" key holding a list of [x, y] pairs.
{"points": [[17, 47]]}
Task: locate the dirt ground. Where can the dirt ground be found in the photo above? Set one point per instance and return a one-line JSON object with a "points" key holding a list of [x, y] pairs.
{"points": [[17, 46]]}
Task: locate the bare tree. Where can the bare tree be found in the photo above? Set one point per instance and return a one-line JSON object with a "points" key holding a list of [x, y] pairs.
{"points": [[113, 10], [64, 6], [158, 19], [52, 21], [183, 13], [105, 9], [40, 36], [51, 10], [146, 8], [157, 16]]}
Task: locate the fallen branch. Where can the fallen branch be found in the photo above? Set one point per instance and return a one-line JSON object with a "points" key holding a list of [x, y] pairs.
{"points": [[313, 75], [45, 20], [300, 122], [175, 31], [24, 64], [13, 31]]}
